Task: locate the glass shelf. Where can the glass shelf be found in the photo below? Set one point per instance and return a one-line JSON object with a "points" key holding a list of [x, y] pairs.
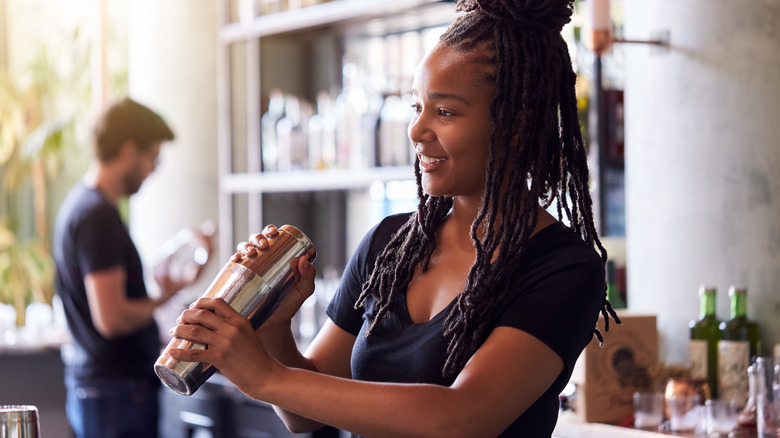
{"points": [[318, 15], [312, 180]]}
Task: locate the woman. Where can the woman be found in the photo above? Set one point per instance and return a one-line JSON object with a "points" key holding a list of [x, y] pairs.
{"points": [[464, 318]]}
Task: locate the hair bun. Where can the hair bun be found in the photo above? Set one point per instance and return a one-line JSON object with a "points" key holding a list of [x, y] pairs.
{"points": [[549, 15]]}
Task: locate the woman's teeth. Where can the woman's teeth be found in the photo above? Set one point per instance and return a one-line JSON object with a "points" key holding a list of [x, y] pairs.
{"points": [[430, 160]]}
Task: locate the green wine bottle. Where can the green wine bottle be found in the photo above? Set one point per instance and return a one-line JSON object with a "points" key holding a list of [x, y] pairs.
{"points": [[613, 287], [705, 334], [739, 342]]}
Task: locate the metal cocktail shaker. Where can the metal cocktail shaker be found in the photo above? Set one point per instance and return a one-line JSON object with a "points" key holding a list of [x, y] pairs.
{"points": [[254, 287], [19, 421]]}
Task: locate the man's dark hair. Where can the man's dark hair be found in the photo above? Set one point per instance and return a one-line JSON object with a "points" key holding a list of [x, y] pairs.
{"points": [[128, 120], [536, 153]]}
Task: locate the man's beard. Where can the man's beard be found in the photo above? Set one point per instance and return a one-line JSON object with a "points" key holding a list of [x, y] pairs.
{"points": [[132, 183]]}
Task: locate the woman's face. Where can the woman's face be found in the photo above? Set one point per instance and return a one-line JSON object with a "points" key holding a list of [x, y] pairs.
{"points": [[451, 123]]}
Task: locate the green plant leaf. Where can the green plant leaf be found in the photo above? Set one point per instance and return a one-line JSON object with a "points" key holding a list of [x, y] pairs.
{"points": [[45, 140], [7, 239]]}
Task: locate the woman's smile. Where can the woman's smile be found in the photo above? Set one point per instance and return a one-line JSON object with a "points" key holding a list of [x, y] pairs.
{"points": [[451, 123], [428, 163]]}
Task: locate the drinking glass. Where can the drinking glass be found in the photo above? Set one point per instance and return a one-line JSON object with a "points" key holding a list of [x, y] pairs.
{"points": [[721, 417], [648, 410], [684, 413]]}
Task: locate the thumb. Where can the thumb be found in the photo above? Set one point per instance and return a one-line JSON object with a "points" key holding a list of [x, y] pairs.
{"points": [[306, 268]]}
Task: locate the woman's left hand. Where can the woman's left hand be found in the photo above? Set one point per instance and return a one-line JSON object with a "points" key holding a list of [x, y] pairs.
{"points": [[232, 344]]}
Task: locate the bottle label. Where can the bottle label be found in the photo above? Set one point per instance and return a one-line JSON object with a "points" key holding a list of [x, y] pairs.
{"points": [[697, 352], [733, 362]]}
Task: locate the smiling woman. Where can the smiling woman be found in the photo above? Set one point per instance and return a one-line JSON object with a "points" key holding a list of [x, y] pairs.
{"points": [[464, 317], [451, 124]]}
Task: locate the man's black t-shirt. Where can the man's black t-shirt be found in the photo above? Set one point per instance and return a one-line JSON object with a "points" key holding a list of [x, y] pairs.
{"points": [[90, 236], [555, 295]]}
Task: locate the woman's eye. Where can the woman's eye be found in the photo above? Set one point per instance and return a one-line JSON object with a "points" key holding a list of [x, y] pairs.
{"points": [[444, 112], [416, 107]]}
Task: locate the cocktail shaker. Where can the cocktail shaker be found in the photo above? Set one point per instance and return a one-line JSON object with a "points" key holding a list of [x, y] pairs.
{"points": [[19, 421], [254, 287]]}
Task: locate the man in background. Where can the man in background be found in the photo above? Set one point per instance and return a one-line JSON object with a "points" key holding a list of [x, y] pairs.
{"points": [[111, 386]]}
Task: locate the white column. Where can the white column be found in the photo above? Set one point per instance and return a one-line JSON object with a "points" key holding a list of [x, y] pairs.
{"points": [[703, 162], [172, 69]]}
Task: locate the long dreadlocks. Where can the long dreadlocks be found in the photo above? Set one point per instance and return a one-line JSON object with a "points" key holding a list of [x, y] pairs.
{"points": [[536, 152]]}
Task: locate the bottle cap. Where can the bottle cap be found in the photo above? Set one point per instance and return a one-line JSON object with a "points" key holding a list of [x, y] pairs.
{"points": [[737, 289], [705, 289]]}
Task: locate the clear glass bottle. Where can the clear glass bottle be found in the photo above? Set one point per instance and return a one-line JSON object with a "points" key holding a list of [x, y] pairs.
{"points": [[322, 134], [746, 420], [766, 408], [351, 105], [292, 143], [183, 256], [268, 7], [268, 122], [704, 337], [739, 342]]}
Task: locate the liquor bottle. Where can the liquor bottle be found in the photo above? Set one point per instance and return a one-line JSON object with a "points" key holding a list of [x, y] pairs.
{"points": [[292, 144], [613, 288], [268, 7], [703, 346], [746, 419], [739, 342], [269, 120], [351, 106], [183, 256], [322, 134]]}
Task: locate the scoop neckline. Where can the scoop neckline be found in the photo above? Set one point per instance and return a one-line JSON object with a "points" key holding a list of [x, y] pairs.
{"points": [[405, 318]]}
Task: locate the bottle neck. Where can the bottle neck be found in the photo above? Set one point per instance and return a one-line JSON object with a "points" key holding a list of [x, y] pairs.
{"points": [[738, 306], [707, 304]]}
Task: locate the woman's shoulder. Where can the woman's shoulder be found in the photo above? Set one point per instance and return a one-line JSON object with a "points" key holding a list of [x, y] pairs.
{"points": [[375, 240], [393, 222], [558, 238], [557, 258], [384, 231]]}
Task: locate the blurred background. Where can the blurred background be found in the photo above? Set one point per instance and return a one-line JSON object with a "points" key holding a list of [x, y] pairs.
{"points": [[295, 112]]}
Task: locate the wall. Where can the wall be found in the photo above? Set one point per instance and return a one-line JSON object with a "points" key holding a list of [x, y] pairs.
{"points": [[172, 68], [702, 161]]}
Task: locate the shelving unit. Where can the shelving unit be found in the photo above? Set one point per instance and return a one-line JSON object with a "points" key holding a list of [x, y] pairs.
{"points": [[241, 189], [316, 180], [325, 14]]}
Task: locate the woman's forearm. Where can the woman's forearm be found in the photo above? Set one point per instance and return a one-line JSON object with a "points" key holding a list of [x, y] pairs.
{"points": [[373, 409], [280, 344], [308, 399], [488, 394]]}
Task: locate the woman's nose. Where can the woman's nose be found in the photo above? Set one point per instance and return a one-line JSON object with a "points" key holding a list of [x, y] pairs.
{"points": [[418, 130]]}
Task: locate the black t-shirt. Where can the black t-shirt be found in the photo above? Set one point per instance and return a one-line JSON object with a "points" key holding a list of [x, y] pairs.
{"points": [[555, 295], [90, 236]]}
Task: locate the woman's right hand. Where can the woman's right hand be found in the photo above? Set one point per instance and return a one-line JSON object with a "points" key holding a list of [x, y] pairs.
{"points": [[300, 290]]}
